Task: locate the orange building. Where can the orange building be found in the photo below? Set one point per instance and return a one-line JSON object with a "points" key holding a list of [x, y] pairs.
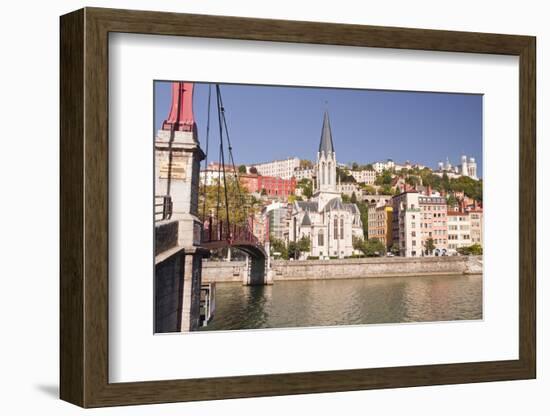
{"points": [[380, 218]]}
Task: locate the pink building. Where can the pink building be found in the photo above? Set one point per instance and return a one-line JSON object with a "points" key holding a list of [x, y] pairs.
{"points": [[433, 214], [272, 186]]}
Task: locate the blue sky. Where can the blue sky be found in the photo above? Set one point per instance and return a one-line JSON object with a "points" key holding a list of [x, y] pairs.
{"points": [[272, 122]]}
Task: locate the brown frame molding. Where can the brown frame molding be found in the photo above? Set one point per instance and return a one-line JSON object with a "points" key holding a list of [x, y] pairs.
{"points": [[84, 207]]}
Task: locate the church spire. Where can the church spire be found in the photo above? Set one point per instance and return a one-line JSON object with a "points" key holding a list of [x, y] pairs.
{"points": [[325, 144]]}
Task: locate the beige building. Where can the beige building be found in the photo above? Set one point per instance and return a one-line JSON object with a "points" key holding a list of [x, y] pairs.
{"points": [[406, 224], [350, 188], [459, 230], [476, 226], [303, 173], [364, 176], [278, 168]]}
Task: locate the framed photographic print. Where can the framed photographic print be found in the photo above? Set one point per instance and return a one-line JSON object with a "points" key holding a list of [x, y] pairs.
{"points": [[260, 207]]}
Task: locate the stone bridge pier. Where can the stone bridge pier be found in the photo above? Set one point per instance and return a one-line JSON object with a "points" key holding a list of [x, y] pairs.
{"points": [[257, 269], [178, 257]]}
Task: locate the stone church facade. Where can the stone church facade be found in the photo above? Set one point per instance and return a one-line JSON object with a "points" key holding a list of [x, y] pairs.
{"points": [[325, 219]]}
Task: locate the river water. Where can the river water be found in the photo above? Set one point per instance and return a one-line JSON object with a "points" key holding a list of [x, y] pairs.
{"points": [[347, 302]]}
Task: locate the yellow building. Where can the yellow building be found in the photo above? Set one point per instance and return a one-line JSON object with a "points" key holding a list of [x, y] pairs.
{"points": [[380, 223]]}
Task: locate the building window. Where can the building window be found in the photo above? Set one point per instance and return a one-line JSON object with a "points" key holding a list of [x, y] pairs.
{"points": [[336, 228], [341, 228], [320, 239]]}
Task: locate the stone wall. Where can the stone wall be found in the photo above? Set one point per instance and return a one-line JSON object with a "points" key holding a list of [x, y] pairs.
{"points": [[169, 293], [222, 271], [350, 268], [166, 236]]}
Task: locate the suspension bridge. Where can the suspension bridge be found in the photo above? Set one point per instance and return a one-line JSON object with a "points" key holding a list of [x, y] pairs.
{"points": [[224, 218]]}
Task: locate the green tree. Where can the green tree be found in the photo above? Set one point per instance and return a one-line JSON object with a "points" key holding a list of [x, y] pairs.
{"points": [[242, 169], [306, 185], [452, 201], [303, 245], [385, 190], [471, 187], [371, 247], [364, 211], [412, 180], [344, 176], [473, 250], [353, 198], [241, 204], [384, 178], [278, 246], [429, 245], [369, 189], [395, 249], [445, 182], [357, 243], [306, 164]]}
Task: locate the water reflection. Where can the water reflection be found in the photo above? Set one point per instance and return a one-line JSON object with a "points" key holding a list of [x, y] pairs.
{"points": [[347, 302]]}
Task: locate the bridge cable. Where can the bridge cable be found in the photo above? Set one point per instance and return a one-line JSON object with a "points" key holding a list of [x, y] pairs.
{"points": [[232, 160], [222, 157], [206, 155]]}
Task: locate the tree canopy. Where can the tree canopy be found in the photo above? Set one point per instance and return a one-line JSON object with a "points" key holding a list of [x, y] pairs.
{"points": [[370, 248], [306, 185], [241, 203]]}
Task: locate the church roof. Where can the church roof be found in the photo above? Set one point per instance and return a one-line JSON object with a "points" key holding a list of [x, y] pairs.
{"points": [[334, 204], [306, 220], [352, 208], [308, 205], [325, 145], [337, 204]]}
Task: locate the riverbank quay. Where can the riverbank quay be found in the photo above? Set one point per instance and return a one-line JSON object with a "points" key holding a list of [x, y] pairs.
{"points": [[285, 270]]}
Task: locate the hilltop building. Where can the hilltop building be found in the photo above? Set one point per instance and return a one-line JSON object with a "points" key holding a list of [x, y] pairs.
{"points": [[467, 167]]}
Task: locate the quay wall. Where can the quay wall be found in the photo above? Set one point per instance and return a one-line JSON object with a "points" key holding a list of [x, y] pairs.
{"points": [[220, 271]]}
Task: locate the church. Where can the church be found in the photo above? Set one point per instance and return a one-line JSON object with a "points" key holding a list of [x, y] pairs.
{"points": [[329, 223]]}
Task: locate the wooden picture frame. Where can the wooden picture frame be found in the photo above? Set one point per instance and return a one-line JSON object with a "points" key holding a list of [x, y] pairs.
{"points": [[84, 207]]}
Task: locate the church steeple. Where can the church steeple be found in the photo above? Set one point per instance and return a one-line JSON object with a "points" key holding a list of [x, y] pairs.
{"points": [[325, 145], [326, 161]]}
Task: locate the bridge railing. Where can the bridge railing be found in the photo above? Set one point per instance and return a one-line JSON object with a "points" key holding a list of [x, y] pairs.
{"points": [[218, 230], [163, 207]]}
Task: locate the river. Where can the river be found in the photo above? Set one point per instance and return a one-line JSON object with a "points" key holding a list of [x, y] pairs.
{"points": [[347, 302]]}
